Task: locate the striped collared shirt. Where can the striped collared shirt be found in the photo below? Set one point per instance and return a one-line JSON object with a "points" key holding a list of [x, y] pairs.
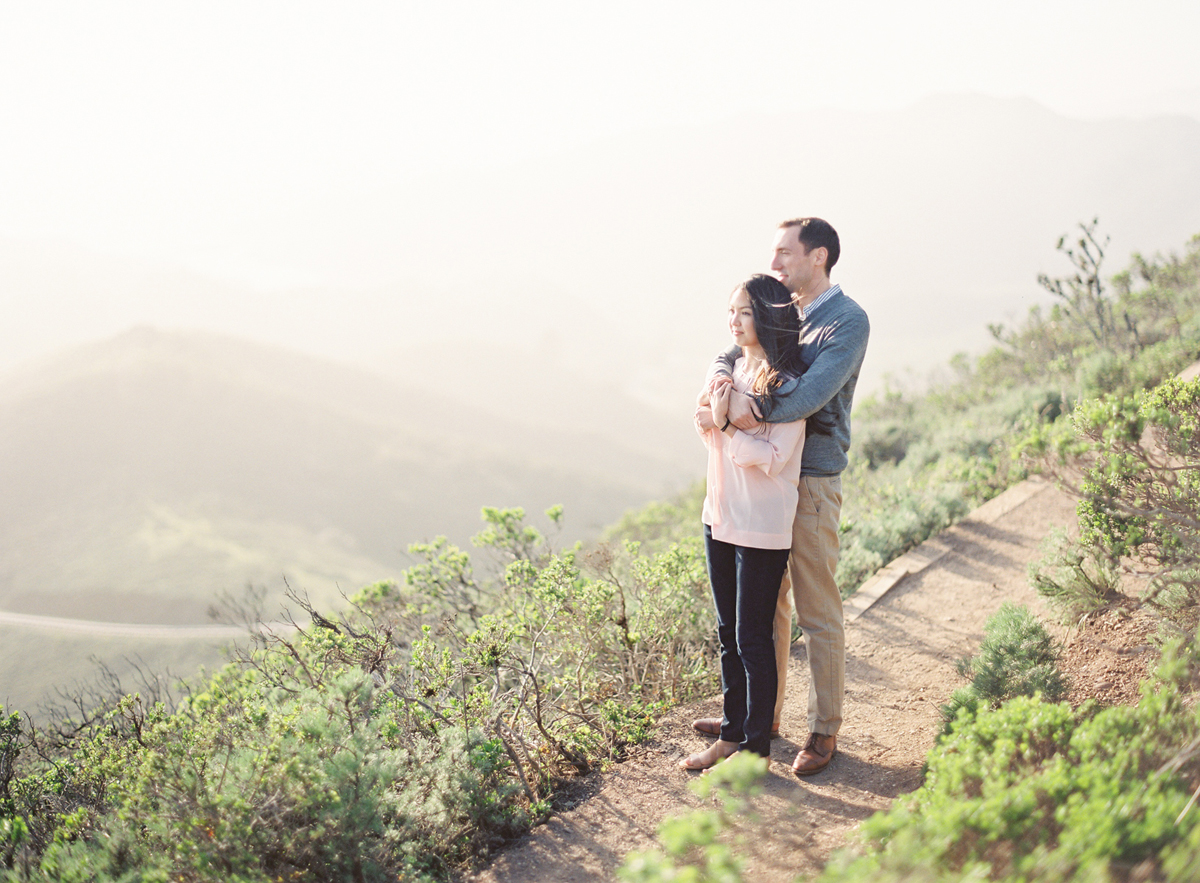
{"points": [[824, 296]]}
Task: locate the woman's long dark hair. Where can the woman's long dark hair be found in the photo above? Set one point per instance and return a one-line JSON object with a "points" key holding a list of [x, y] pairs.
{"points": [[778, 328]]}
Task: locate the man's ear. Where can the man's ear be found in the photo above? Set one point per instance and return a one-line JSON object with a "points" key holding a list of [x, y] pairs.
{"points": [[821, 258]]}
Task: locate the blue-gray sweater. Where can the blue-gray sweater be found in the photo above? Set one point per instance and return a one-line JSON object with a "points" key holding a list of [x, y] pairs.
{"points": [[833, 341]]}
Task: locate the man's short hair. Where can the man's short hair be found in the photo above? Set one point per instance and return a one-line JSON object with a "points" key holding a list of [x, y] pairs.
{"points": [[817, 233]]}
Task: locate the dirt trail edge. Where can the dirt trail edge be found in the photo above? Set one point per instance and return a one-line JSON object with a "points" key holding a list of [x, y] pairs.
{"points": [[900, 655]]}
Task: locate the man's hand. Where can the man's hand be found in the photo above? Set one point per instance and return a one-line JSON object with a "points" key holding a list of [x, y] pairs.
{"points": [[720, 406], [704, 418], [742, 413]]}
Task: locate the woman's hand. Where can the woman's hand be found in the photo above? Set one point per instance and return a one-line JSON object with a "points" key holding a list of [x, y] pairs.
{"points": [[704, 419], [717, 382]]}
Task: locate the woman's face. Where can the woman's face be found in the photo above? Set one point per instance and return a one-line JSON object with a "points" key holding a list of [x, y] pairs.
{"points": [[741, 319]]}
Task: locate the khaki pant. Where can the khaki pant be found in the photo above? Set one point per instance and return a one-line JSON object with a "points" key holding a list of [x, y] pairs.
{"points": [[817, 603]]}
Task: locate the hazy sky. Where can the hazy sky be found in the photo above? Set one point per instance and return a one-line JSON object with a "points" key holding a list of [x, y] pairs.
{"points": [[136, 129]]}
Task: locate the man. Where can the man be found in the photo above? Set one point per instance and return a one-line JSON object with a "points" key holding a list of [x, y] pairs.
{"points": [[833, 341]]}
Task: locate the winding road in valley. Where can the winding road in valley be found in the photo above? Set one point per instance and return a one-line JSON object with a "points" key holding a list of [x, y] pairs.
{"points": [[125, 629]]}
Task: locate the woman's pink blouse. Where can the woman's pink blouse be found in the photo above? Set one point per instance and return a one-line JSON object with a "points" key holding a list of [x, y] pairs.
{"points": [[752, 478]]}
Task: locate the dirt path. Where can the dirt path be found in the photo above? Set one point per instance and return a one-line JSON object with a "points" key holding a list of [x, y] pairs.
{"points": [[899, 668]]}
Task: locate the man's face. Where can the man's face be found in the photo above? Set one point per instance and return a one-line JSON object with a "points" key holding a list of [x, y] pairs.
{"points": [[792, 265]]}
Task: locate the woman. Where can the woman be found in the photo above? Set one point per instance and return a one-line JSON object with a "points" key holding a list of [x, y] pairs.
{"points": [[748, 514]]}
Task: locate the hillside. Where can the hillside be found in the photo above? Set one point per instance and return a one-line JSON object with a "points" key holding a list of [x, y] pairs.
{"points": [[145, 474]]}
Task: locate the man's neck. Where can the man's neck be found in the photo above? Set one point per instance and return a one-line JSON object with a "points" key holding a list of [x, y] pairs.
{"points": [[810, 293]]}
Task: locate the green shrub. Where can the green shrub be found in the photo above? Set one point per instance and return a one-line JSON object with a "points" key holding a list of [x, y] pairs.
{"points": [[10, 749], [659, 524], [1138, 458], [1077, 578], [1036, 791], [1018, 657], [406, 738], [905, 523]]}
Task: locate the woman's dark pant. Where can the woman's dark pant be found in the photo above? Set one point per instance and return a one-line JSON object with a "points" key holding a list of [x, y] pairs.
{"points": [[745, 586]]}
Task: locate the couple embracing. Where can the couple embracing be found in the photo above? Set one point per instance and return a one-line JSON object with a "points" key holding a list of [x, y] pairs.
{"points": [[775, 416]]}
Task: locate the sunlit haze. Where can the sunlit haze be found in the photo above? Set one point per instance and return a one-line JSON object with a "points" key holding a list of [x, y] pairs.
{"points": [[164, 131], [312, 176]]}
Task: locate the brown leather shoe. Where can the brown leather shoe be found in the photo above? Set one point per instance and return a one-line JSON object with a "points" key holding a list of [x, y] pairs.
{"points": [[711, 726], [815, 755]]}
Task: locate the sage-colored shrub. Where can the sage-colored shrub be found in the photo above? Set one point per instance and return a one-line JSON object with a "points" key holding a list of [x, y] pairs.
{"points": [[1076, 578], [1018, 657], [1036, 791], [402, 739]]}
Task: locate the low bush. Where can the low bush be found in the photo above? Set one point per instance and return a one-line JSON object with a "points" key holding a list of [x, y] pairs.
{"points": [[655, 526], [1018, 657], [1135, 461], [1036, 791], [904, 523], [239, 785], [408, 737], [1077, 579]]}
